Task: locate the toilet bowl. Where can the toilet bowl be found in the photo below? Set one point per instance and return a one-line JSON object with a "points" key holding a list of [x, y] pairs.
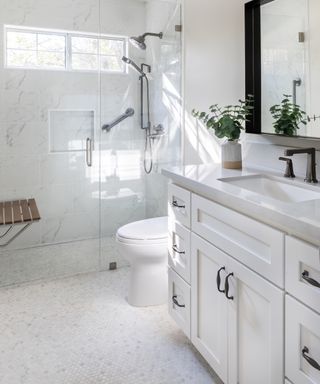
{"points": [[144, 245]]}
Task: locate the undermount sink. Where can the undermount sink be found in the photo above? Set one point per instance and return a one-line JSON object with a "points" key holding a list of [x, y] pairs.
{"points": [[274, 188]]}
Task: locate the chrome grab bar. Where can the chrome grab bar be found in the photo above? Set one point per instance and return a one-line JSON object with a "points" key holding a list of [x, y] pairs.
{"points": [[107, 127]]}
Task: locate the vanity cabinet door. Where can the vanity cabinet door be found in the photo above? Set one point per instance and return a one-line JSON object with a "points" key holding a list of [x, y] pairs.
{"points": [[303, 272], [179, 203], [179, 250], [179, 301], [256, 328], [302, 343], [209, 306]]}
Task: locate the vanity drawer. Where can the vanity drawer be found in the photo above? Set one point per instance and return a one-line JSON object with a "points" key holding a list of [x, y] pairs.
{"points": [[179, 202], [303, 272], [256, 245], [179, 249], [302, 343], [179, 301]]}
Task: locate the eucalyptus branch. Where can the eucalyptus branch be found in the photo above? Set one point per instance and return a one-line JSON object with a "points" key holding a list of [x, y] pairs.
{"points": [[227, 121]]}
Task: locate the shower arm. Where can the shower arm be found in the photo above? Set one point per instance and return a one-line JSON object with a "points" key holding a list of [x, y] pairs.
{"points": [[107, 127], [160, 35]]}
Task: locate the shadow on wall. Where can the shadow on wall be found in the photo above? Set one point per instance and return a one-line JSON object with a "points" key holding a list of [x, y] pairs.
{"points": [[202, 146]]}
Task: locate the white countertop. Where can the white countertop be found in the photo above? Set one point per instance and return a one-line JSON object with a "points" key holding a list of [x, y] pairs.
{"points": [[300, 219]]}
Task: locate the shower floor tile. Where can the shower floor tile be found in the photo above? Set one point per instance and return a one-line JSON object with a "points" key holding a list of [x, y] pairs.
{"points": [[81, 330]]}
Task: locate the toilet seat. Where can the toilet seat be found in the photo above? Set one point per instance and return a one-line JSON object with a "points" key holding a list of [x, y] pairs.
{"points": [[149, 231], [141, 242]]}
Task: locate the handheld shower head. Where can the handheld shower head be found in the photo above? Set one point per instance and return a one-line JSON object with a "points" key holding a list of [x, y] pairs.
{"points": [[133, 65], [139, 41]]}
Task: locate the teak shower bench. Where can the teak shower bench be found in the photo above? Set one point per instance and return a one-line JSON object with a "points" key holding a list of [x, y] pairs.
{"points": [[17, 212]]}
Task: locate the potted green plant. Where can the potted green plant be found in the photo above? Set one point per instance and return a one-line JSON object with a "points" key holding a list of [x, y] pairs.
{"points": [[228, 122], [288, 117]]}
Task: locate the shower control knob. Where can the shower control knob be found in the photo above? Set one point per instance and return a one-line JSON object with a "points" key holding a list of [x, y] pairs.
{"points": [[159, 129]]}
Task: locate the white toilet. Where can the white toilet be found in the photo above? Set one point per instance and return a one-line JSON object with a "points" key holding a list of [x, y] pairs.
{"points": [[144, 245]]}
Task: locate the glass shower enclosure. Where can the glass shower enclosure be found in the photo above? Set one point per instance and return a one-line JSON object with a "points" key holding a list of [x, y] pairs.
{"points": [[61, 80]]}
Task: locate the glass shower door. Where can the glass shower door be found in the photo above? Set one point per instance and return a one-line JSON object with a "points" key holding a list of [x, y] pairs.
{"points": [[49, 117]]}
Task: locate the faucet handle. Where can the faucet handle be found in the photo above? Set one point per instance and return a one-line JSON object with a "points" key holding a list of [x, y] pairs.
{"points": [[289, 167]]}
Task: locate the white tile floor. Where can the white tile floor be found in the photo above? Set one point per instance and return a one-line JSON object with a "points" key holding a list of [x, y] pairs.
{"points": [[19, 266], [80, 330]]}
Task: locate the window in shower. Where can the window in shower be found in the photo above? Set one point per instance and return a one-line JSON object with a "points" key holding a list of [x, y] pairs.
{"points": [[48, 49], [34, 49], [88, 53]]}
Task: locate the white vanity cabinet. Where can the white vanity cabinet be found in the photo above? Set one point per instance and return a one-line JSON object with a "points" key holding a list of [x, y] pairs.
{"points": [[302, 312], [238, 326], [238, 287], [302, 343], [209, 314], [303, 272], [256, 319], [249, 241]]}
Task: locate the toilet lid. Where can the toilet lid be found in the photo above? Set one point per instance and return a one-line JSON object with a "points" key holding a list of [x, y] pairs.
{"points": [[149, 229]]}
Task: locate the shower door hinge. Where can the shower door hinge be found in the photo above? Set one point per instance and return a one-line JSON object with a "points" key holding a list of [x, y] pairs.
{"points": [[302, 37], [178, 28], [113, 266]]}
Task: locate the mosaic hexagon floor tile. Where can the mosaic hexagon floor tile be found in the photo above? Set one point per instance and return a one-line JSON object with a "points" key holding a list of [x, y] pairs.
{"points": [[81, 330]]}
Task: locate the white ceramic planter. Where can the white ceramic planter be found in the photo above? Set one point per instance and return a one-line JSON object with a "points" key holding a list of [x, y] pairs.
{"points": [[231, 156]]}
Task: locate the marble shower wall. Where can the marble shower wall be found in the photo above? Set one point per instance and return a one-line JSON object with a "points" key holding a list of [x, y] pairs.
{"points": [[67, 192]]}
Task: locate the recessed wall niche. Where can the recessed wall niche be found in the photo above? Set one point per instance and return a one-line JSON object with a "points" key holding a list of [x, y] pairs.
{"points": [[69, 129]]}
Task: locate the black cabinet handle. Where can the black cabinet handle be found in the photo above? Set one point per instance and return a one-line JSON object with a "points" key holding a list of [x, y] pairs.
{"points": [[219, 280], [175, 301], [176, 204], [226, 286], [311, 361], [305, 276], [176, 250]]}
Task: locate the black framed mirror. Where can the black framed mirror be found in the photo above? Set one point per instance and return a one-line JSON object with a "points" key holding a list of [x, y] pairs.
{"points": [[282, 51]]}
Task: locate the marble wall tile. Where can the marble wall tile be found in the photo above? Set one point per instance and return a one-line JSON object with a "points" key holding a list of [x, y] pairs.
{"points": [[23, 138], [67, 191], [70, 227], [70, 129], [20, 171]]}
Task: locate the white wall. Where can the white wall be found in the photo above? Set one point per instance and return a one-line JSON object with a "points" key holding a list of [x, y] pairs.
{"points": [[215, 73], [214, 67]]}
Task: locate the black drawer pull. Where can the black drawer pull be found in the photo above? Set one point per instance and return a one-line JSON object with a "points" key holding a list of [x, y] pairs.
{"points": [[176, 250], [176, 204], [219, 280], [175, 301], [305, 276], [227, 287], [311, 361]]}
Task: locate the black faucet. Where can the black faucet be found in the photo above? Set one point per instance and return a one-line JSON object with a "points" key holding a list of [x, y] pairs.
{"points": [[289, 168], [311, 176]]}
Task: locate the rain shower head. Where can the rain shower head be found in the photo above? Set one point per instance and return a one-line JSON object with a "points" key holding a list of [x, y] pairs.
{"points": [[139, 41], [133, 65]]}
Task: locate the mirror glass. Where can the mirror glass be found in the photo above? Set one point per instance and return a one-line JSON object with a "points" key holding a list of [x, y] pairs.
{"points": [[290, 63]]}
